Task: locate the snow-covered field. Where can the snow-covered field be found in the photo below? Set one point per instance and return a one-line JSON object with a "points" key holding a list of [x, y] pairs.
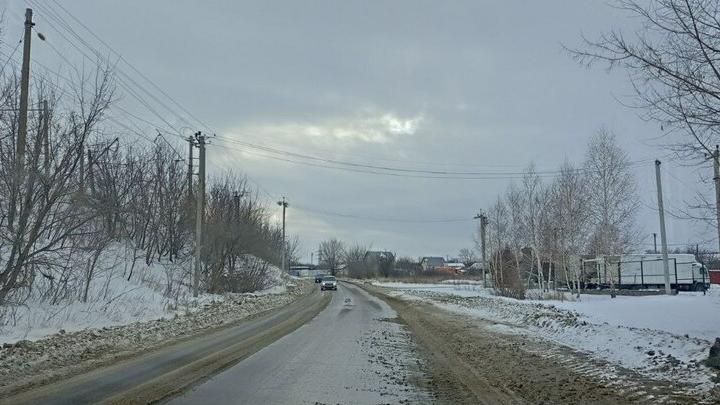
{"points": [[662, 337], [124, 290]]}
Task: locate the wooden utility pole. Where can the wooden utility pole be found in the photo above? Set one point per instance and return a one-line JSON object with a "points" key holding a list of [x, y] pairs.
{"points": [[663, 236], [284, 205], [200, 209]]}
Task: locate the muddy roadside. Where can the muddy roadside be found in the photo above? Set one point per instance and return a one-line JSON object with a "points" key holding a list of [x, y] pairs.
{"points": [[472, 361], [28, 365]]}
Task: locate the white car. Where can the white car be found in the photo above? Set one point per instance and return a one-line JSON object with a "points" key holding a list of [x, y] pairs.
{"points": [[328, 283]]}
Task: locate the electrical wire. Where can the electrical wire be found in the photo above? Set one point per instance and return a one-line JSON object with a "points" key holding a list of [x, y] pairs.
{"points": [[380, 219]]}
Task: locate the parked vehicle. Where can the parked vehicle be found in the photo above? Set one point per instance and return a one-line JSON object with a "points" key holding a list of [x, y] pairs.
{"points": [[639, 271], [328, 283], [319, 278]]}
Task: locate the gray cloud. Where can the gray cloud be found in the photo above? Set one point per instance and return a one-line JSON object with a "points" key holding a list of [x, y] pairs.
{"points": [[463, 85]]}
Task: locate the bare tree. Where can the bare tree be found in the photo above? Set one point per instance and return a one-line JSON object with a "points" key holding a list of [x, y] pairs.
{"points": [[516, 227], [534, 216], [355, 261], [331, 254], [613, 196], [407, 266], [499, 241], [47, 211], [570, 219], [674, 66], [467, 256]]}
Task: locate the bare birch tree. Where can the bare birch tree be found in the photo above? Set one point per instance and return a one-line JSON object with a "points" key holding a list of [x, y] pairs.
{"points": [[570, 207]]}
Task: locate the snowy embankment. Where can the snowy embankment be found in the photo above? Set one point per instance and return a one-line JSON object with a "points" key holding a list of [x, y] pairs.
{"points": [[66, 353], [661, 337], [65, 324], [123, 289]]}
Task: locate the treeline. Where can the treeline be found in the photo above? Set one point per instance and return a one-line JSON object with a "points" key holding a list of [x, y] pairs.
{"points": [[538, 229], [77, 187], [358, 261]]}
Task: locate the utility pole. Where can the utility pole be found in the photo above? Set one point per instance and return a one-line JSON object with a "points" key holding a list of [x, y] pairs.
{"points": [[21, 141], [46, 137], [483, 223], [236, 206], [200, 138], [716, 177], [24, 94], [90, 176], [655, 242], [663, 236], [82, 169], [191, 145], [284, 205]]}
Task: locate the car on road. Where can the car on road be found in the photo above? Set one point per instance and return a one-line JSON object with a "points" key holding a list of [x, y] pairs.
{"points": [[328, 283], [319, 278]]}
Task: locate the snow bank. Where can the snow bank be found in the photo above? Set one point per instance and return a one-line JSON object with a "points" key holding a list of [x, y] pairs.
{"points": [[661, 337], [461, 290], [67, 353], [123, 290], [694, 314]]}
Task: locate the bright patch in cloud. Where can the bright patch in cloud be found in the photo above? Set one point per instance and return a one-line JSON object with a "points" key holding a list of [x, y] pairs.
{"points": [[372, 129]]}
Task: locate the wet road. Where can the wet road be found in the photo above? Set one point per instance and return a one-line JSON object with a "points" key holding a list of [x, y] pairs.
{"points": [[156, 374], [349, 353]]}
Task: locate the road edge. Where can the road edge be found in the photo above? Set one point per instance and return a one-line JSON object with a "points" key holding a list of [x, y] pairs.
{"points": [[201, 370], [438, 357]]}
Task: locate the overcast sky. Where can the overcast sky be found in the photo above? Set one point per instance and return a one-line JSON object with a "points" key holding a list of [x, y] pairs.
{"points": [[460, 85]]}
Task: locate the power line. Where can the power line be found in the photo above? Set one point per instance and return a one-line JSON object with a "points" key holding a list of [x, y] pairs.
{"points": [[122, 58], [10, 56], [124, 80], [386, 171], [380, 219]]}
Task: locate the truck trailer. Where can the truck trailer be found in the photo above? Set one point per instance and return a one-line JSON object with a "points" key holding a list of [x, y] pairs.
{"points": [[645, 271]]}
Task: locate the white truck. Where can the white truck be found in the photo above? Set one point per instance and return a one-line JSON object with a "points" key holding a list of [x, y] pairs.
{"points": [[640, 271]]}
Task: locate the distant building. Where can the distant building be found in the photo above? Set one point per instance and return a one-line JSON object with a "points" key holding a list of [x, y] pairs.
{"points": [[458, 267], [429, 263], [714, 276]]}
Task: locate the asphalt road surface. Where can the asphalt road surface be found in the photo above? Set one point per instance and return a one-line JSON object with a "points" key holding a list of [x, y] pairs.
{"points": [[169, 370], [352, 352]]}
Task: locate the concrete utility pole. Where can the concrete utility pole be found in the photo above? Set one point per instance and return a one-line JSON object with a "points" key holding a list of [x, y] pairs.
{"points": [[200, 210], [284, 205], [191, 145], [663, 236], [24, 94], [91, 179], [236, 205], [716, 177], [483, 224], [46, 137], [82, 169], [21, 141]]}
